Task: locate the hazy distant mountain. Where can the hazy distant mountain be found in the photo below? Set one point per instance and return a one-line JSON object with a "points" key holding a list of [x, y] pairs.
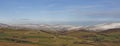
{"points": [[46, 27], [3, 25], [102, 27]]}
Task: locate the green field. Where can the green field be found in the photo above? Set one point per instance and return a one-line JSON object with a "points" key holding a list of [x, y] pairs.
{"points": [[27, 37]]}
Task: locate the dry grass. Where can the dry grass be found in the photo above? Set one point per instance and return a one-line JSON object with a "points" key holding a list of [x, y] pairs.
{"points": [[12, 37]]}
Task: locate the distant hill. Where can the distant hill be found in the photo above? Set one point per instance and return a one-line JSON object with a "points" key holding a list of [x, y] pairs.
{"points": [[3, 25], [59, 35], [62, 28]]}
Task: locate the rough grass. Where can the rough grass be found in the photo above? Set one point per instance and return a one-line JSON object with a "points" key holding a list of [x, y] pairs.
{"points": [[26, 37]]}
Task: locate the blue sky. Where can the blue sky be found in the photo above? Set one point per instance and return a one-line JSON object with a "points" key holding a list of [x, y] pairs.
{"points": [[59, 11]]}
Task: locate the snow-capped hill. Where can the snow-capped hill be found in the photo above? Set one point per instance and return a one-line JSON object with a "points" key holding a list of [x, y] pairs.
{"points": [[3, 25], [102, 27], [68, 27], [49, 27], [76, 28], [46, 27]]}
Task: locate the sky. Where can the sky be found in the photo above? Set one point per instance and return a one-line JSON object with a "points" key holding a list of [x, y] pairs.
{"points": [[75, 12]]}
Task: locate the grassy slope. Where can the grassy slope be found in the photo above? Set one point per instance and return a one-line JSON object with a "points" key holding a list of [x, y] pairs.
{"points": [[22, 37]]}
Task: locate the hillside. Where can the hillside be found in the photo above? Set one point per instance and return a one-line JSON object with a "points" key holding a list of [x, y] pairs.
{"points": [[17, 36], [26, 37]]}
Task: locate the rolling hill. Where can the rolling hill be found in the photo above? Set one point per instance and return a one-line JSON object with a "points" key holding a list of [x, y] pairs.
{"points": [[14, 35]]}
